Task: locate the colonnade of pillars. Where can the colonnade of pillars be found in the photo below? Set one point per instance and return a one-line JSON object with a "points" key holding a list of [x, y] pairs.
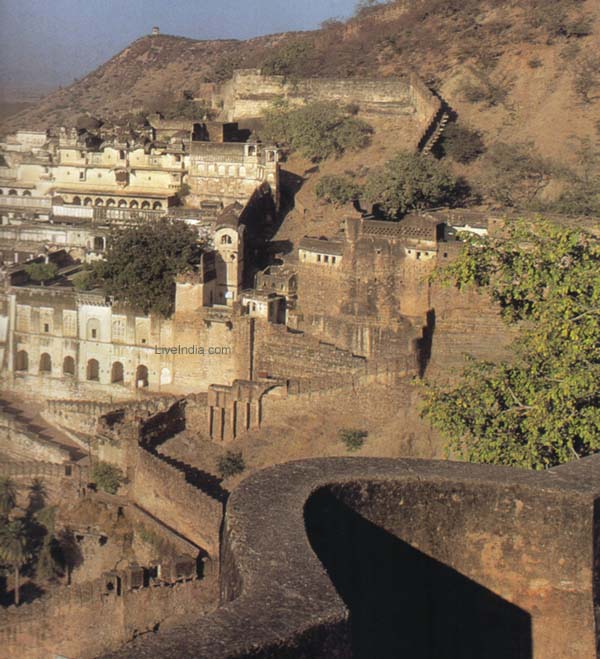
{"points": [[225, 423]]}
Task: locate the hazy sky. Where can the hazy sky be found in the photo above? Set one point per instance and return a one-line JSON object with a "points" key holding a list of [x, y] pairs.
{"points": [[50, 42]]}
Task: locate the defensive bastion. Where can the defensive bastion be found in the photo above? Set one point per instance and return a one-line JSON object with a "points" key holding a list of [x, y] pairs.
{"points": [[367, 557]]}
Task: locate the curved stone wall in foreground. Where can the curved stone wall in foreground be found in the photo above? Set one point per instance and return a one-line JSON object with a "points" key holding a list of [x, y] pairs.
{"points": [[425, 559]]}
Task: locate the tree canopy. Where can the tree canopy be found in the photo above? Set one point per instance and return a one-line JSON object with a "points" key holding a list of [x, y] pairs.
{"points": [[143, 260], [541, 408], [410, 181], [316, 131]]}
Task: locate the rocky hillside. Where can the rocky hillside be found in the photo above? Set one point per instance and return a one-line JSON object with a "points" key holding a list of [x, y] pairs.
{"points": [[518, 70]]}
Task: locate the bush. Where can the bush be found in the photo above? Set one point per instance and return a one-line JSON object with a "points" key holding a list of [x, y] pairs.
{"points": [[337, 190], [107, 477], [513, 174], [462, 144], [41, 271], [316, 131], [353, 439], [410, 181], [484, 91], [231, 463], [287, 60]]}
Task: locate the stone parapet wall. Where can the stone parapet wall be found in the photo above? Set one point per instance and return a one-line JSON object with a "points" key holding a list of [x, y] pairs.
{"points": [[249, 93], [434, 531], [162, 490], [86, 620]]}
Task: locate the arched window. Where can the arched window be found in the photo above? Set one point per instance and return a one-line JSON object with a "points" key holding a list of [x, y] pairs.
{"points": [[99, 202], [93, 370], [87, 201], [226, 240], [93, 329], [12, 193], [145, 204], [122, 203], [26, 193], [76, 201], [68, 366], [110, 202], [141, 376], [21, 361], [157, 206], [133, 204], [116, 372], [45, 363]]}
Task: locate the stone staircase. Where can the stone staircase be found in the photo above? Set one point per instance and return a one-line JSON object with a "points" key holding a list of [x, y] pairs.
{"points": [[435, 130], [207, 483]]}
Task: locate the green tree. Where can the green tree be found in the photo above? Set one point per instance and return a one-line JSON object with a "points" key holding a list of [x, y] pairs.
{"points": [[316, 131], [461, 143], [143, 260], [14, 549], [337, 190], [410, 181], [541, 408], [107, 477], [288, 59], [41, 271]]}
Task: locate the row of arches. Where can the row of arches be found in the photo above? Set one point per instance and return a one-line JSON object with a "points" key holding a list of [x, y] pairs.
{"points": [[13, 193], [121, 203], [92, 371]]}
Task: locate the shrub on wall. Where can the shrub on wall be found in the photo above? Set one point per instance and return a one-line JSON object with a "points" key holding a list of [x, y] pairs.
{"points": [[107, 477]]}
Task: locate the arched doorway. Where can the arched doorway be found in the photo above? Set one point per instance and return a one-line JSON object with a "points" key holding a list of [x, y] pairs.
{"points": [[93, 370], [22, 361], [141, 376], [68, 366], [45, 363], [116, 373]]}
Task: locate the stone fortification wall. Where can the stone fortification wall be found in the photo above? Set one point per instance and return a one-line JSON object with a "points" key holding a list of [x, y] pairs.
{"points": [[465, 322], [162, 490], [437, 534], [86, 620], [280, 353], [249, 93], [21, 441], [82, 415]]}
